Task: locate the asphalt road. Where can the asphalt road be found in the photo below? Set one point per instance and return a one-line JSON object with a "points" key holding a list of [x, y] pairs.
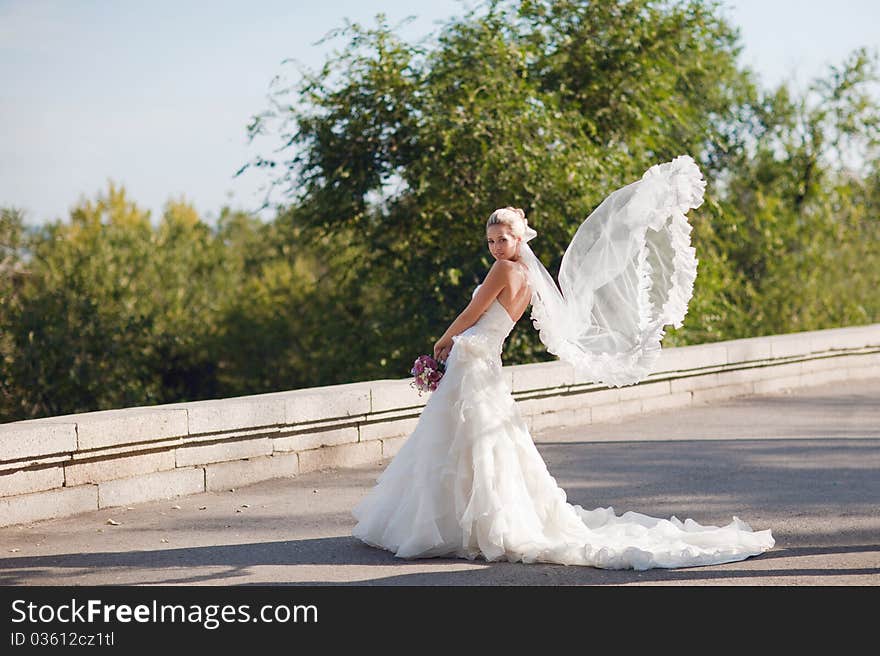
{"points": [[805, 464]]}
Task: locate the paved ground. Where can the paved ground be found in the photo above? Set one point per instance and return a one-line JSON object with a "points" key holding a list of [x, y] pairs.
{"points": [[805, 463]]}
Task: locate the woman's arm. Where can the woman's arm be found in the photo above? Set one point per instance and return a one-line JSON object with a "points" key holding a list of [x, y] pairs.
{"points": [[498, 278]]}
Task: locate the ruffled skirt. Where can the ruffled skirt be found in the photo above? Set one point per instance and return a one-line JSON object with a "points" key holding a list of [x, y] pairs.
{"points": [[469, 482]]}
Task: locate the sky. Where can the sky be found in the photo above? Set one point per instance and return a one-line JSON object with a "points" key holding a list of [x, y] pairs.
{"points": [[157, 95]]}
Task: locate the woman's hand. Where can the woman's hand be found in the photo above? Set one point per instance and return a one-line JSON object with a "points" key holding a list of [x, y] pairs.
{"points": [[442, 348]]}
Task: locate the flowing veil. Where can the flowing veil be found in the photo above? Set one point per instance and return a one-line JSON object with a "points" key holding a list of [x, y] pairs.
{"points": [[628, 272]]}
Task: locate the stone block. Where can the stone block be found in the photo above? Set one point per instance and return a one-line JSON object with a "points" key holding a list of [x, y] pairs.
{"points": [[150, 487], [226, 475], [689, 383], [390, 395], [722, 392], [575, 402], [603, 395], [560, 419], [36, 439], [747, 350], [866, 360], [869, 360], [381, 430], [306, 441], [108, 428], [325, 403], [849, 337], [856, 373], [79, 472], [344, 455], [392, 445], [542, 375], [667, 401], [528, 407], [616, 411], [508, 376], [544, 421], [236, 413], [826, 364], [26, 481], [859, 360], [554, 404], [644, 390], [685, 358], [744, 375], [822, 377], [789, 345], [841, 362], [63, 502], [784, 370], [774, 385], [202, 454]]}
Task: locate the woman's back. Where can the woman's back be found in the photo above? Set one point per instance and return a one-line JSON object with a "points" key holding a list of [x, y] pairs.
{"points": [[516, 295]]}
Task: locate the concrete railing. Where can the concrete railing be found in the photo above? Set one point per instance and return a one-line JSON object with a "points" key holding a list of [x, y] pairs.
{"points": [[59, 466]]}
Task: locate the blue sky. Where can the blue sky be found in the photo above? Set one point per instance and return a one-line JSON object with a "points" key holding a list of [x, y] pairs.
{"points": [[156, 95]]}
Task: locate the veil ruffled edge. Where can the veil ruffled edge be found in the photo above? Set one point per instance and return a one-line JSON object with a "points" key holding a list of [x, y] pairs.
{"points": [[649, 214]]}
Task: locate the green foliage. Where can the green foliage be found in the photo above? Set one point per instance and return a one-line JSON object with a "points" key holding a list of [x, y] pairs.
{"points": [[108, 311], [549, 106], [797, 215], [113, 312], [394, 154]]}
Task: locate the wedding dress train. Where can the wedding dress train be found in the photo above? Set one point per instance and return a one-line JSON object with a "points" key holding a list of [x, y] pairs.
{"points": [[469, 482]]}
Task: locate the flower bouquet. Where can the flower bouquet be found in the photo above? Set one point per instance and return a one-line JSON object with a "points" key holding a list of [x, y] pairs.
{"points": [[427, 372]]}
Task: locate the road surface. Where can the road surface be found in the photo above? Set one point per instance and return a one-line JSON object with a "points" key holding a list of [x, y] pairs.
{"points": [[805, 464]]}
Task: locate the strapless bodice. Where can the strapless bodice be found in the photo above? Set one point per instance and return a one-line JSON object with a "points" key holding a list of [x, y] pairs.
{"points": [[486, 337]]}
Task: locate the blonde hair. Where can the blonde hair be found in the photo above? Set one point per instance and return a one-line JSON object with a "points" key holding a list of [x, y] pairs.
{"points": [[513, 217]]}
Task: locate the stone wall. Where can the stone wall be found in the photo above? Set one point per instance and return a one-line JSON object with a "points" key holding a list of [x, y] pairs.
{"points": [[60, 466]]}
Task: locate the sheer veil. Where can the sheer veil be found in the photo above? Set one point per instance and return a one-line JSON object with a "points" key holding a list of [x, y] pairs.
{"points": [[628, 272]]}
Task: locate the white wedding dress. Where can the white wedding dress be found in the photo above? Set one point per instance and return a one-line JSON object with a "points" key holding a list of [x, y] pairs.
{"points": [[469, 482]]}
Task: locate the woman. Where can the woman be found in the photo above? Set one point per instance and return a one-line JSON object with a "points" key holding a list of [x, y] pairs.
{"points": [[506, 281], [469, 482]]}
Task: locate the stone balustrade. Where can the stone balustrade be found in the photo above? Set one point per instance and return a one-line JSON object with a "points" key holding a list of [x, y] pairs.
{"points": [[59, 466]]}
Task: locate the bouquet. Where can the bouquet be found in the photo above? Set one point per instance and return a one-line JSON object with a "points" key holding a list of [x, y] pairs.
{"points": [[427, 372]]}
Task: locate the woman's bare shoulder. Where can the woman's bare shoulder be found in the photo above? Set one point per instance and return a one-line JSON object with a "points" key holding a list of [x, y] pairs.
{"points": [[504, 268]]}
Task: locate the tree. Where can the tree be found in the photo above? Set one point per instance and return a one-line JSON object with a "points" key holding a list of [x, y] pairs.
{"points": [[113, 312], [795, 218], [107, 310], [546, 105]]}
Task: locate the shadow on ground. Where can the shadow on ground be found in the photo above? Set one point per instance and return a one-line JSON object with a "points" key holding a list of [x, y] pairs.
{"points": [[819, 497]]}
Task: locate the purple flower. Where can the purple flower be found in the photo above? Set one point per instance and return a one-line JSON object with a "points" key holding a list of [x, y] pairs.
{"points": [[427, 373]]}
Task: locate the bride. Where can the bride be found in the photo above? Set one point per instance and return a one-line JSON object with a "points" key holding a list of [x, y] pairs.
{"points": [[469, 481]]}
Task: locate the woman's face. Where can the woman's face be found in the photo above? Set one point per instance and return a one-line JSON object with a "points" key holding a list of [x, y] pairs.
{"points": [[502, 244]]}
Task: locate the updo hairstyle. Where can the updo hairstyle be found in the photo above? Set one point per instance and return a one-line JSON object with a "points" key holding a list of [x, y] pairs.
{"points": [[513, 217]]}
